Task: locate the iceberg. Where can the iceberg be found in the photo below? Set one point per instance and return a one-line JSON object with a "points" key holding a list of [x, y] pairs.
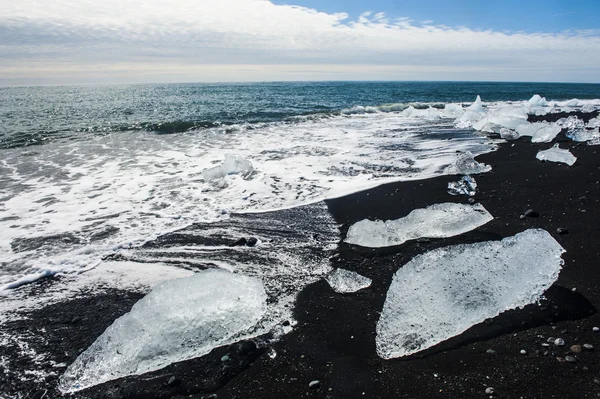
{"points": [[231, 165], [435, 221], [465, 164], [442, 293], [546, 134], [465, 186], [537, 101], [557, 154], [178, 320], [345, 281]]}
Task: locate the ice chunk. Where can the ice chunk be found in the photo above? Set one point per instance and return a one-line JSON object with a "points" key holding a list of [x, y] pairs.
{"points": [[231, 165], [466, 186], [583, 135], [442, 293], [592, 123], [345, 281], [408, 111], [465, 164], [435, 221], [529, 129], [556, 154], [573, 103], [546, 134], [588, 108], [537, 101], [508, 134], [477, 106], [452, 111], [572, 123], [178, 320]]}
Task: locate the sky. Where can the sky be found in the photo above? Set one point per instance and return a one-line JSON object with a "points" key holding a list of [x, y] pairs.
{"points": [[127, 41]]}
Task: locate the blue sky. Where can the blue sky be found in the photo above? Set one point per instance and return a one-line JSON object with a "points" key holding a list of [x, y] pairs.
{"points": [[128, 41], [511, 15]]}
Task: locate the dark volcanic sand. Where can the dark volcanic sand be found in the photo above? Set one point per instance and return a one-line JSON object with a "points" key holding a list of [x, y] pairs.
{"points": [[334, 340]]}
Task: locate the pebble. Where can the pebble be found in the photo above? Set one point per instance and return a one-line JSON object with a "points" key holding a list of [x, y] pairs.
{"points": [[562, 231], [531, 213], [575, 348], [173, 381], [596, 329], [314, 384], [588, 347], [471, 200], [545, 345], [559, 342], [490, 351], [252, 241], [225, 358], [570, 359], [489, 391], [523, 352]]}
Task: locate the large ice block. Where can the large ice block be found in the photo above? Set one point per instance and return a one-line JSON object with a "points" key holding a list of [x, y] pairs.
{"points": [[556, 154], [442, 293], [435, 221], [178, 320]]}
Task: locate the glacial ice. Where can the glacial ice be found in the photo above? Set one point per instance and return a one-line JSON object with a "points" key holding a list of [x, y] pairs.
{"points": [[537, 101], [465, 186], [442, 293], [529, 129], [345, 281], [546, 134], [571, 123], [231, 165], [435, 221], [556, 154], [583, 135], [477, 106], [465, 164], [508, 134], [452, 111], [178, 320], [592, 123]]}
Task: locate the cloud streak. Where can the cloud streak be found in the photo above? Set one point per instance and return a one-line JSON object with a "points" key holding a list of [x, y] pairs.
{"points": [[42, 38]]}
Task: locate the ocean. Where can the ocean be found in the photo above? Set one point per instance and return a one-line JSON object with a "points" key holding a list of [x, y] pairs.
{"points": [[89, 171]]}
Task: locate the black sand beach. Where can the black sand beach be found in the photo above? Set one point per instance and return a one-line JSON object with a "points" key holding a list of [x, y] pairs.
{"points": [[334, 341]]}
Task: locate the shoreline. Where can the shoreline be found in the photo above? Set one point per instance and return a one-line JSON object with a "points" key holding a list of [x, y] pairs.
{"points": [[334, 340]]}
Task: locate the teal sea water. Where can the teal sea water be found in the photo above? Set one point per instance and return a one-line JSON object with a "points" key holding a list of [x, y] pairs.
{"points": [[33, 115], [87, 172]]}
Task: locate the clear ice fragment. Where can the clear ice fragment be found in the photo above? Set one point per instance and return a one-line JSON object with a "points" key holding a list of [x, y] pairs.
{"points": [[465, 164], [178, 320], [231, 165], [435, 221], [556, 154], [546, 134], [345, 281], [442, 293], [508, 134], [465, 186]]}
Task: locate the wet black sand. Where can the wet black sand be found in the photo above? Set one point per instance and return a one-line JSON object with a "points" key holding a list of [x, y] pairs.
{"points": [[334, 340]]}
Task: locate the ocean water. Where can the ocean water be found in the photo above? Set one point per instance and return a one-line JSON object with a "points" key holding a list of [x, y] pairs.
{"points": [[87, 172]]}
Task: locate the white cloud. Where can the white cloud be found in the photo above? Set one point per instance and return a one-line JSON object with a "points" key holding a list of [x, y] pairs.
{"points": [[87, 35]]}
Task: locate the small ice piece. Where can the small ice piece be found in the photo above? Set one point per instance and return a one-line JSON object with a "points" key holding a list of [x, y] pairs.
{"points": [[583, 135], [477, 106], [537, 101], [573, 103], [345, 281], [592, 123], [231, 165], [435, 221], [557, 154], [452, 111], [442, 293], [465, 164], [546, 134], [508, 134], [588, 108], [465, 186], [178, 320], [529, 129], [571, 123]]}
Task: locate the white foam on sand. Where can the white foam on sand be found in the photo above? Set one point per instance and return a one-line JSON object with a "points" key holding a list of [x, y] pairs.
{"points": [[442, 293]]}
